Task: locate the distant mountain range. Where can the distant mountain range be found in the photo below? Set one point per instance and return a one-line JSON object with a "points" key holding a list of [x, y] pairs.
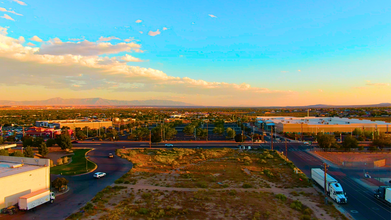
{"points": [[153, 102], [94, 102]]}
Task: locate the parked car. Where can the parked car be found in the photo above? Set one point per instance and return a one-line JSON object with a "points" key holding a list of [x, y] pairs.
{"points": [[169, 145], [241, 147], [75, 142], [99, 175], [111, 155], [249, 147]]}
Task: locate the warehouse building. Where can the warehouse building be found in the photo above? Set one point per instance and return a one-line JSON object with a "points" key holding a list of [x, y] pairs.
{"points": [[320, 124], [20, 176], [73, 124]]}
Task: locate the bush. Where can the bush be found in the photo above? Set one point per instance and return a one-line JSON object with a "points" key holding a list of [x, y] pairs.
{"points": [[307, 211], [60, 182], [119, 181], [4, 152], [202, 184], [296, 205], [51, 163], [17, 154], [305, 217], [65, 160], [247, 185], [59, 161], [281, 197], [143, 211], [146, 196]]}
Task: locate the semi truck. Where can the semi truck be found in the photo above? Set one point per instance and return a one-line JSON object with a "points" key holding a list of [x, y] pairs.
{"points": [[35, 199], [333, 188], [384, 193]]}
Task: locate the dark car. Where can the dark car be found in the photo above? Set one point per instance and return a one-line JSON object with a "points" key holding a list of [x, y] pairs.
{"points": [[75, 142], [111, 155]]}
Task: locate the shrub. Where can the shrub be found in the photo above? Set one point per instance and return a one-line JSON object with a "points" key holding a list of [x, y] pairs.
{"points": [[202, 184], [232, 192], [294, 193], [269, 173], [281, 197], [296, 205], [307, 211], [146, 196], [305, 217], [263, 161], [65, 160], [119, 181], [247, 185], [51, 163], [59, 161], [143, 211]]}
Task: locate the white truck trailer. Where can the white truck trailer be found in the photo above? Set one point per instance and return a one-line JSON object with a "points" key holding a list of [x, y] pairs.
{"points": [[333, 188], [384, 193], [35, 199]]}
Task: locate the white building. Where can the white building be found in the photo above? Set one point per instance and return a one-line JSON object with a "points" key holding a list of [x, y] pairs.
{"points": [[20, 176]]}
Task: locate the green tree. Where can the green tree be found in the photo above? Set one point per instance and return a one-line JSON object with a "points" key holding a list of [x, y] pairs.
{"points": [[326, 141], [27, 141], [240, 138], [141, 133], [43, 149], [230, 133], [4, 152], [189, 129], [156, 134], [80, 135], [381, 141], [37, 141], [28, 152], [17, 154], [349, 142], [50, 142], [64, 141], [1, 138], [169, 132], [60, 182], [218, 130]]}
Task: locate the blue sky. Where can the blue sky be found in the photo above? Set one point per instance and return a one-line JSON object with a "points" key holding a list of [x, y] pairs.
{"points": [[339, 47]]}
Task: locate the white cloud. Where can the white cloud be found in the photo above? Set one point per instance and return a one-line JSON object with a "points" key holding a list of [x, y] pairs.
{"points": [[31, 44], [3, 31], [7, 17], [5, 10], [141, 32], [21, 39], [212, 16], [19, 2], [129, 58], [76, 39], [139, 21], [86, 48], [36, 38], [376, 84], [130, 39], [88, 71], [164, 28], [108, 38], [154, 33]]}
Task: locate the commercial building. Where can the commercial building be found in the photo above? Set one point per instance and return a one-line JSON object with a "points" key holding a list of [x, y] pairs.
{"points": [[320, 124], [45, 132], [20, 176], [73, 124]]}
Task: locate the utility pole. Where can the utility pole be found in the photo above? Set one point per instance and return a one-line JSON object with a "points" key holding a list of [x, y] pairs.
{"points": [[207, 131], [271, 138], [252, 139], [286, 149], [150, 138], [325, 182]]}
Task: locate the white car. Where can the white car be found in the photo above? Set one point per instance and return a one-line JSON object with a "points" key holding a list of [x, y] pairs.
{"points": [[99, 175], [249, 147], [169, 145]]}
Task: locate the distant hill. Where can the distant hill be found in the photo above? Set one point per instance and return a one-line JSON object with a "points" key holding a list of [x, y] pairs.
{"points": [[94, 102], [342, 106]]}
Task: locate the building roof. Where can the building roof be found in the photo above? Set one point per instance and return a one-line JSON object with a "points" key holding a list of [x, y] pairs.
{"points": [[320, 120], [15, 165]]}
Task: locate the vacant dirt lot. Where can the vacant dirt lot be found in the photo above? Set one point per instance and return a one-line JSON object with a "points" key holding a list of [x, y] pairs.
{"points": [[208, 184], [341, 158]]}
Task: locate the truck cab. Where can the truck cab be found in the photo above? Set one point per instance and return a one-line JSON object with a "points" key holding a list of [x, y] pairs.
{"points": [[336, 193]]}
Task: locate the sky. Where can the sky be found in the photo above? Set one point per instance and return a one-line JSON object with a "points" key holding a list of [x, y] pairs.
{"points": [[214, 53]]}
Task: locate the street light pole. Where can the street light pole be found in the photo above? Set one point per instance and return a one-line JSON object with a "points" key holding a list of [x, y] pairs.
{"points": [[325, 182], [271, 138], [150, 139]]}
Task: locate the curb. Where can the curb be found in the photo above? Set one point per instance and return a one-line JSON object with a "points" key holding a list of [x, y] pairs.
{"points": [[96, 166], [66, 191]]}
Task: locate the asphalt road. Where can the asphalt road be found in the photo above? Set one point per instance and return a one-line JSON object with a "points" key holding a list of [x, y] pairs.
{"points": [[361, 203], [82, 188]]}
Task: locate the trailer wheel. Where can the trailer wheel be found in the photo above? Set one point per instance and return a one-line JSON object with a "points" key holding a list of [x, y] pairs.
{"points": [[51, 201]]}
